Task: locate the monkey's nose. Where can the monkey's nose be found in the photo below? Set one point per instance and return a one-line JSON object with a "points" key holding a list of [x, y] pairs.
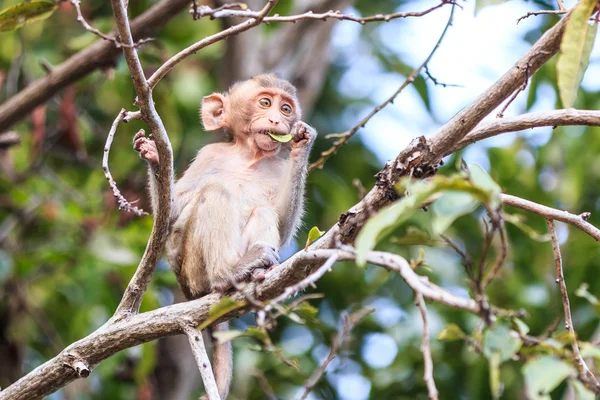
{"points": [[273, 121]]}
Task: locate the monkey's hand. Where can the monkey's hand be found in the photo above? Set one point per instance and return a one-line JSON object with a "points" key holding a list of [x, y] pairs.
{"points": [[303, 137], [146, 147], [251, 266]]}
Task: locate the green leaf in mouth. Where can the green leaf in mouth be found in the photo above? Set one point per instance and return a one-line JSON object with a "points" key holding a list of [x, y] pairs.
{"points": [[281, 138]]}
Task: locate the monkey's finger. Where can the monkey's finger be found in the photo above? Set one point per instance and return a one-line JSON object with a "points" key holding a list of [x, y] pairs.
{"points": [[258, 275]]}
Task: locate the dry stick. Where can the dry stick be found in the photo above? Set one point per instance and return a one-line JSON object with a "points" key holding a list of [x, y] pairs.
{"points": [[134, 292], [426, 350], [500, 259], [344, 137], [88, 27], [199, 351], [585, 375], [567, 117], [578, 221], [339, 341], [541, 12], [100, 54], [205, 11], [234, 30], [123, 203]]}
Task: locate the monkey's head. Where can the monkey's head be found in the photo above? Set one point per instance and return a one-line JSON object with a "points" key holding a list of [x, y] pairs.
{"points": [[252, 109]]}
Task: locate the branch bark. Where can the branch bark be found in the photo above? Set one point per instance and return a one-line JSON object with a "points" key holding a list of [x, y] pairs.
{"points": [[567, 117]]}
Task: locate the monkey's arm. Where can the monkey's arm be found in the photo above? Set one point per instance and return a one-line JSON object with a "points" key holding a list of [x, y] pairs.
{"points": [[290, 202]]}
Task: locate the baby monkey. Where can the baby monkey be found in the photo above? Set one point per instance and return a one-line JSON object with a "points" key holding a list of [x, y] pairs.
{"points": [[239, 202]]}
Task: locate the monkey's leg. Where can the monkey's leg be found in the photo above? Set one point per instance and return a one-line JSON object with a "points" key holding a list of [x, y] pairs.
{"points": [[260, 239]]}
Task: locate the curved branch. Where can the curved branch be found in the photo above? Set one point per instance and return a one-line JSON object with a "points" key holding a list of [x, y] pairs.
{"points": [[567, 117], [578, 221]]}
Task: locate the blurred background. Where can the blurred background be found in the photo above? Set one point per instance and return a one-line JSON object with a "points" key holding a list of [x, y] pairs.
{"points": [[67, 252]]}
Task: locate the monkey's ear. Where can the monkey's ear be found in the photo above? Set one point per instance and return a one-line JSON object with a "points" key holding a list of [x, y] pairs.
{"points": [[213, 112]]}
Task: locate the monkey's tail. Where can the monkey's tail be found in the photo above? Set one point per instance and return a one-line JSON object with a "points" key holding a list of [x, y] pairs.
{"points": [[222, 361]]}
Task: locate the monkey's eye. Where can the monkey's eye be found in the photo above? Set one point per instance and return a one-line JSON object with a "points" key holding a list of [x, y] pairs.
{"points": [[265, 102], [286, 109]]}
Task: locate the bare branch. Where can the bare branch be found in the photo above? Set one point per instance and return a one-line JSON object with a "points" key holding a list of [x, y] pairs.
{"points": [[164, 171], [110, 38], [206, 372], [183, 54], [426, 350], [99, 55], [585, 375], [221, 12], [567, 117], [541, 12], [339, 341], [578, 221], [123, 203], [344, 137]]}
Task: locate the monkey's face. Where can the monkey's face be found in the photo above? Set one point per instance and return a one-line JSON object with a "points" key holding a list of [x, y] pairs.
{"points": [[271, 111]]}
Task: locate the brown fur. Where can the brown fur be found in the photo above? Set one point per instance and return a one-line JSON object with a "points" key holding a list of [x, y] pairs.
{"points": [[238, 202]]}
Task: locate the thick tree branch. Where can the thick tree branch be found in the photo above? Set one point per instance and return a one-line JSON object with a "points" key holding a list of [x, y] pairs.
{"points": [[578, 221], [98, 55], [567, 117]]}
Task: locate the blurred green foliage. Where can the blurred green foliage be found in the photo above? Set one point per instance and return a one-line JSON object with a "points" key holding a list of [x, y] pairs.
{"points": [[67, 253]]}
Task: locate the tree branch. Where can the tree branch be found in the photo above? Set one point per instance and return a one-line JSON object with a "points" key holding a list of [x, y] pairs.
{"points": [[98, 55], [585, 374], [220, 12], [183, 54], [426, 350], [132, 297], [566, 117], [199, 351], [578, 221]]}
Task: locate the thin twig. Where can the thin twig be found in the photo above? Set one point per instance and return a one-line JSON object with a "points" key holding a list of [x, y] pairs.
{"points": [[349, 321], [222, 12], [585, 375], [88, 27], [500, 259], [344, 137], [199, 351], [188, 51], [541, 12], [426, 350], [578, 221], [123, 203]]}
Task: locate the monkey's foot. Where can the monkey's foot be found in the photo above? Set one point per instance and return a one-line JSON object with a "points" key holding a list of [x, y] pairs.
{"points": [[146, 147], [302, 135], [252, 266]]}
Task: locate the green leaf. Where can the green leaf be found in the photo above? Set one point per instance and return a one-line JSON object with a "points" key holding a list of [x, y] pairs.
{"points": [[449, 207], [581, 392], [575, 49], [281, 138], [542, 375], [518, 220], [589, 350], [313, 235], [500, 341], [420, 193], [582, 291], [521, 326], [15, 17], [482, 180], [226, 336], [226, 305], [307, 311], [451, 333], [495, 382]]}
